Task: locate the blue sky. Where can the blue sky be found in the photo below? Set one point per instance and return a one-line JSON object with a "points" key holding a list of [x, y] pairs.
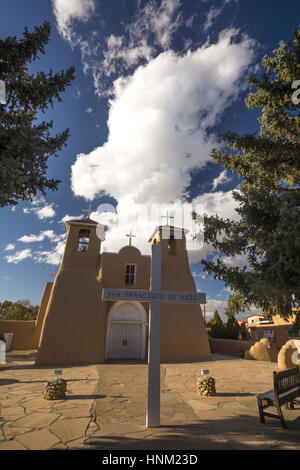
{"points": [[156, 84]]}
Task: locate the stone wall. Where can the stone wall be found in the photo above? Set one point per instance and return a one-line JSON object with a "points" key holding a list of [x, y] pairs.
{"points": [[231, 347]]}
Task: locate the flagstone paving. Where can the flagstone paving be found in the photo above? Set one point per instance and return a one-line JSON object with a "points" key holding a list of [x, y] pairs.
{"points": [[28, 421], [105, 408]]}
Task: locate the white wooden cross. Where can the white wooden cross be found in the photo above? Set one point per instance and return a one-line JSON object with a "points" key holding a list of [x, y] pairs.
{"points": [[89, 210], [154, 296], [168, 217], [130, 235]]}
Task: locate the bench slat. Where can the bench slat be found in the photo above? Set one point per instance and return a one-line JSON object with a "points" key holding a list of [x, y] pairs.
{"points": [[289, 392]]}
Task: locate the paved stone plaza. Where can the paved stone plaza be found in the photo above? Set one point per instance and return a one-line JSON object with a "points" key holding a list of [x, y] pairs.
{"points": [[105, 408]]}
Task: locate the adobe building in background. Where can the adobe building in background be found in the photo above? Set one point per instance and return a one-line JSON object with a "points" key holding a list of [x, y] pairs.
{"points": [[80, 328], [277, 329]]}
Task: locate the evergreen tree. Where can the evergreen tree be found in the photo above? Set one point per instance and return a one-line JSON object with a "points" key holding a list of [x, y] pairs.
{"points": [[217, 328], [26, 145], [232, 328], [268, 163]]}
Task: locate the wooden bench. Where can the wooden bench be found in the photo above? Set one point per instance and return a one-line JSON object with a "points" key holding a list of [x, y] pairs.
{"points": [[286, 390]]}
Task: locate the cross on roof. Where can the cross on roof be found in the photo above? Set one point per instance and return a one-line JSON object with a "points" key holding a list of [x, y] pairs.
{"points": [[130, 235], [168, 217], [89, 210]]}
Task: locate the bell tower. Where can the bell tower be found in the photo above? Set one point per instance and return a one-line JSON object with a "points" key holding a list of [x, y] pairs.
{"points": [[83, 243], [174, 254], [183, 333], [75, 314]]}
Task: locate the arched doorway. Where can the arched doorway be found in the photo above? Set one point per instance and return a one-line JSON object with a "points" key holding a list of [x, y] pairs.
{"points": [[126, 331]]}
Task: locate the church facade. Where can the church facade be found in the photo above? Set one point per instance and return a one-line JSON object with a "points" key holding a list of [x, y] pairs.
{"points": [[80, 328]]}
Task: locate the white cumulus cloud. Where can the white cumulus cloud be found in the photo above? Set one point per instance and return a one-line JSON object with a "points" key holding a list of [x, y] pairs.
{"points": [[214, 12], [67, 11], [142, 218], [223, 178], [40, 237], [45, 212], [9, 247], [41, 208], [240, 260], [19, 256], [53, 256], [151, 31], [159, 120], [67, 217]]}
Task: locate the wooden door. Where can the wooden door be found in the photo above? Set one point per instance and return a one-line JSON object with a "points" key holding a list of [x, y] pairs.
{"points": [[125, 341], [133, 340]]}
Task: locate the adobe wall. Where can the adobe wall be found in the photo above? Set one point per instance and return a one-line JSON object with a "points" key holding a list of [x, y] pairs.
{"points": [[231, 347], [183, 333], [73, 330], [112, 269], [278, 320], [24, 335], [280, 333], [27, 333], [75, 326]]}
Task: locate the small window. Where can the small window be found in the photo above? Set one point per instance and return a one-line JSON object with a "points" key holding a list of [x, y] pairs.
{"points": [[130, 274], [83, 241]]}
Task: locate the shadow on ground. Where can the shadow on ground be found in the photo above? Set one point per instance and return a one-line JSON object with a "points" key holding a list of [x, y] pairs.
{"points": [[16, 381], [242, 432], [83, 397], [235, 394]]}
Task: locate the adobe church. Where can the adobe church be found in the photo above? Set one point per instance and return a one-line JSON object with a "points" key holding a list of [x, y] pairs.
{"points": [[80, 328]]}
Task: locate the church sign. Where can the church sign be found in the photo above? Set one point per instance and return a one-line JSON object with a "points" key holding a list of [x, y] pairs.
{"points": [[147, 296], [155, 296]]}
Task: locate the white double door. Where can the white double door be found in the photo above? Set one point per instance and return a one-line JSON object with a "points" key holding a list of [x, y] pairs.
{"points": [[125, 341]]}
